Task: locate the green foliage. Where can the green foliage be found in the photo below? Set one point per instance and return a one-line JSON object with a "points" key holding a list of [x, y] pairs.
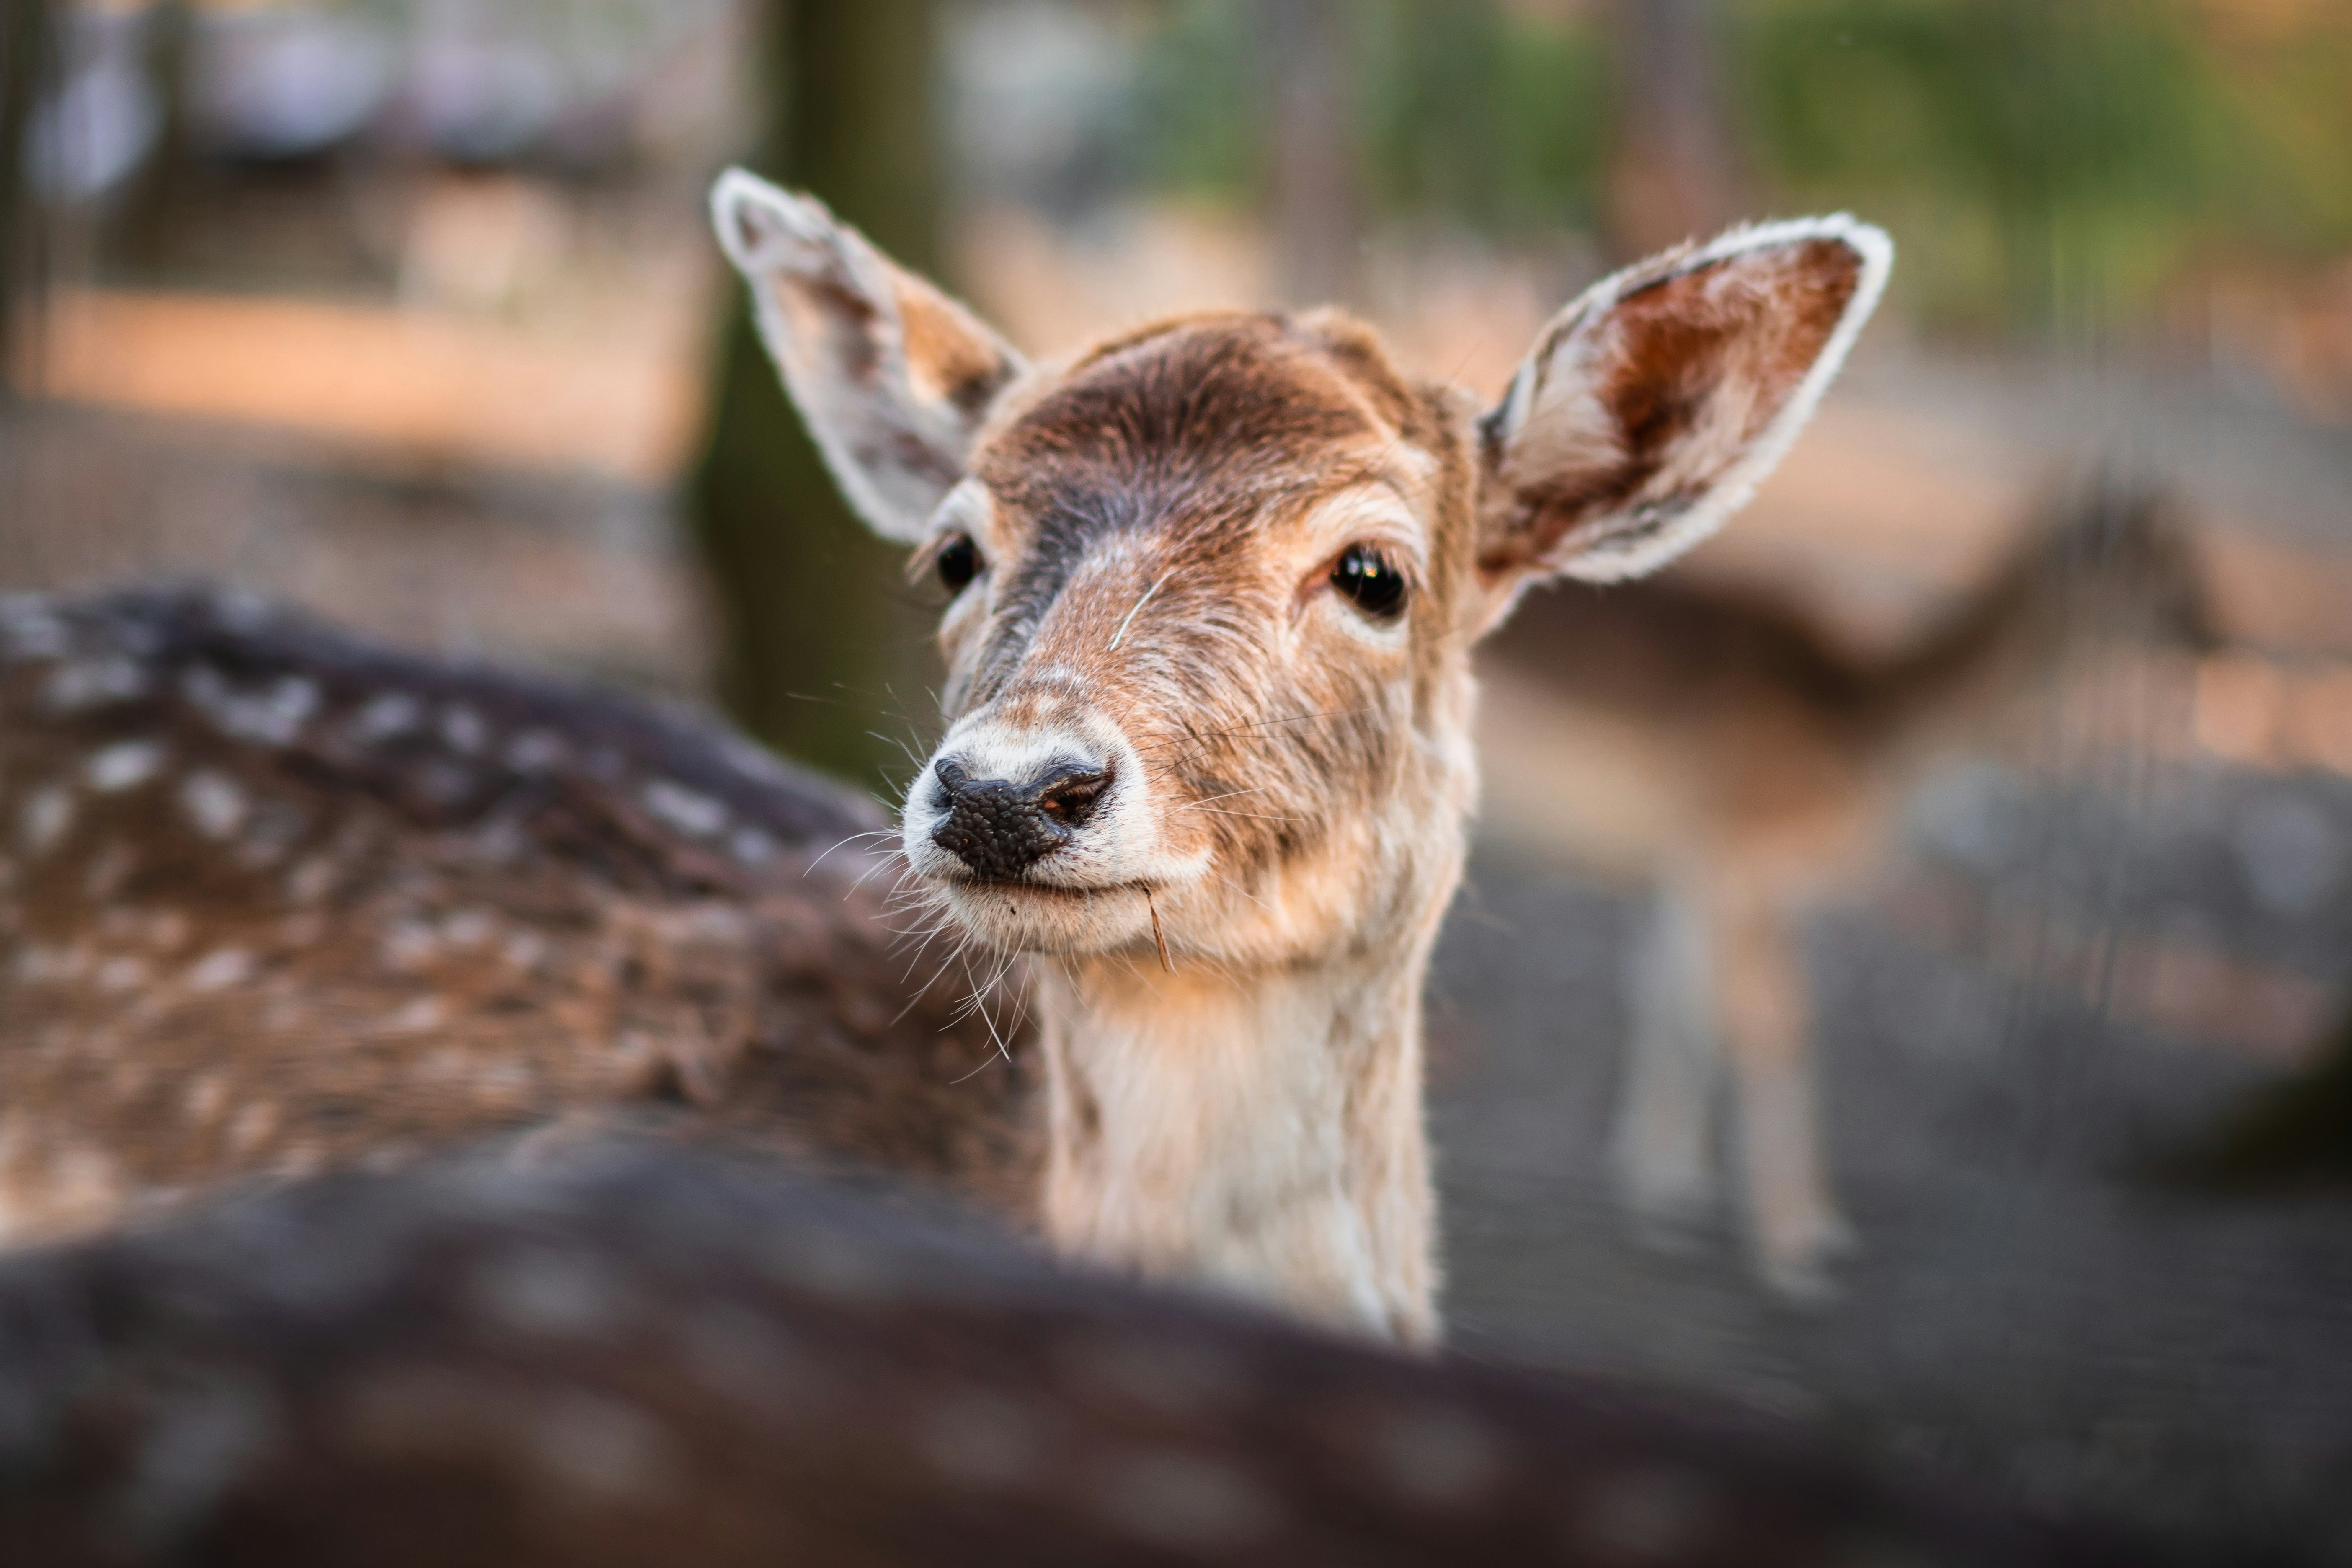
{"points": [[1464, 110], [1198, 120], [2048, 164], [2044, 159], [2287, 139], [1483, 115]]}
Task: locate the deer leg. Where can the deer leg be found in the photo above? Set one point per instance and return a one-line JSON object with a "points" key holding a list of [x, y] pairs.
{"points": [[1766, 1015], [1661, 1154]]}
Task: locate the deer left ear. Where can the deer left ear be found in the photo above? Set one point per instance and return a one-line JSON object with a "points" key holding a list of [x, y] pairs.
{"points": [[1654, 405], [892, 376]]}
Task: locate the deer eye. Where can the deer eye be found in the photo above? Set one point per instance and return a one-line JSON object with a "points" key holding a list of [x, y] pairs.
{"points": [[1370, 582], [957, 563]]}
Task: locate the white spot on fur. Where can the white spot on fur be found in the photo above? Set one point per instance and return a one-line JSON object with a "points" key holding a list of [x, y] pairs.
{"points": [[408, 945], [46, 817], [1439, 1457], [214, 804], [751, 847], [386, 715], [252, 1124], [311, 881], [35, 963], [831, 1265], [545, 1291], [203, 1100], [82, 1177], [121, 974], [220, 969], [1649, 1515], [271, 717], [1185, 1503], [125, 766], [983, 1440], [464, 729], [685, 809], [443, 780], [603, 1451], [240, 609], [192, 1452], [535, 751], [74, 688], [417, 1016], [29, 629], [468, 928], [167, 929]]}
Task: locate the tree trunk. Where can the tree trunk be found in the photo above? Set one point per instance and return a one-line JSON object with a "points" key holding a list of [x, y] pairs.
{"points": [[143, 231], [28, 61], [1317, 214], [823, 652], [1672, 176]]}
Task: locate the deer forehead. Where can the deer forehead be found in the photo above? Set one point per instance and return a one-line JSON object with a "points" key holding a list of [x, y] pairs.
{"points": [[1207, 444]]}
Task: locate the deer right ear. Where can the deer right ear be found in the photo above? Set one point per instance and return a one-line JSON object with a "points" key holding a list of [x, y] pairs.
{"points": [[892, 376], [1654, 405]]}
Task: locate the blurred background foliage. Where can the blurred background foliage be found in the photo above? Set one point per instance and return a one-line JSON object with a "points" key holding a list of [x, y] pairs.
{"points": [[1475, 113], [2027, 152], [2034, 154]]}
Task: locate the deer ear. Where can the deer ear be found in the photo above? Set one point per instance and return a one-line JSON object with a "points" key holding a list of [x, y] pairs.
{"points": [[1654, 405], [892, 375]]}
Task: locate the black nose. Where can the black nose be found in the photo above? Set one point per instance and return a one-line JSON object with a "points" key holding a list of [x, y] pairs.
{"points": [[1001, 828]]}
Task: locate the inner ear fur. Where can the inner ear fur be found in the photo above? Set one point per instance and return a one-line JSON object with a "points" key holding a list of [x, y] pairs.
{"points": [[893, 377], [1653, 406]]}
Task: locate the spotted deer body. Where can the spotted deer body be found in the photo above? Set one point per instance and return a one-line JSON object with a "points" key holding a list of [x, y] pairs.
{"points": [[621, 1359], [1759, 769], [1214, 586], [273, 900]]}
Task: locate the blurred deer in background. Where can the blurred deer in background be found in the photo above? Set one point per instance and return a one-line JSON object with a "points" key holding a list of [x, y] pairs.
{"points": [[629, 1358], [1769, 765], [273, 900], [277, 901], [1214, 588]]}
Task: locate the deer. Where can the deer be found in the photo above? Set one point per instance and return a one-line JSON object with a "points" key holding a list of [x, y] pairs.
{"points": [[275, 900], [628, 1354], [1199, 808], [1212, 587], [1771, 764]]}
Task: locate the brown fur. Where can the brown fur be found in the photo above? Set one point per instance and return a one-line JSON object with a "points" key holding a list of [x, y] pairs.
{"points": [[1678, 336], [1181, 440], [630, 1360], [272, 901], [1230, 937], [1226, 943]]}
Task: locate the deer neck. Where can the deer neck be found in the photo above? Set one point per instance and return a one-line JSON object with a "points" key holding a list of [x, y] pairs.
{"points": [[1255, 1129]]}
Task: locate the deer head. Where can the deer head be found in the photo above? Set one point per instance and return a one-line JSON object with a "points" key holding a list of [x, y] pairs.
{"points": [[1214, 586]]}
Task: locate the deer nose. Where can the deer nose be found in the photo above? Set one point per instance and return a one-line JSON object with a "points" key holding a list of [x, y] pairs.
{"points": [[1000, 828]]}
